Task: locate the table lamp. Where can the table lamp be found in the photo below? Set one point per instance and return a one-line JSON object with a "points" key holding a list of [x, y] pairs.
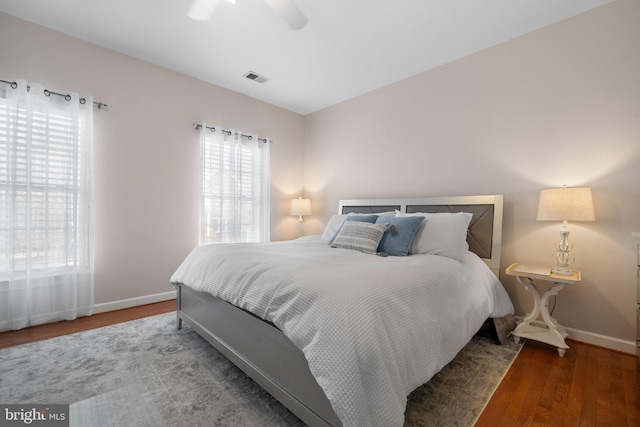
{"points": [[300, 207], [565, 204]]}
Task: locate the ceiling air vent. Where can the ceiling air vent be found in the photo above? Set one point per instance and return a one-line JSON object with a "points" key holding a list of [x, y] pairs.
{"points": [[256, 77]]}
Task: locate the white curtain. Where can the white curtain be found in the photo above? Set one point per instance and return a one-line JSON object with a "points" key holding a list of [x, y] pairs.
{"points": [[46, 206], [234, 202]]}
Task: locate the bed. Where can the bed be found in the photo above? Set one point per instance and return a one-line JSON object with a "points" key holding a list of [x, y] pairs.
{"points": [[338, 359]]}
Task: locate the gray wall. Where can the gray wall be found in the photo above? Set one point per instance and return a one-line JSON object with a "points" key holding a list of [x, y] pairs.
{"points": [[559, 106], [147, 153]]}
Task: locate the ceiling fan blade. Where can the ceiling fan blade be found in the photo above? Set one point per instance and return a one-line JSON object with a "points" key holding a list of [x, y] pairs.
{"points": [[201, 10], [289, 12]]}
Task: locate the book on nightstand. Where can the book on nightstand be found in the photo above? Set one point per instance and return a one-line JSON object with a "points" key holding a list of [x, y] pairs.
{"points": [[532, 269]]}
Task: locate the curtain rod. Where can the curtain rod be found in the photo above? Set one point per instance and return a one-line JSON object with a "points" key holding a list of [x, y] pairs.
{"points": [[198, 126], [67, 97]]}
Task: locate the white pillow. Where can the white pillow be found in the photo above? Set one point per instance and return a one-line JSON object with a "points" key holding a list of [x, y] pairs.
{"points": [[360, 236], [336, 221], [332, 227], [441, 234]]}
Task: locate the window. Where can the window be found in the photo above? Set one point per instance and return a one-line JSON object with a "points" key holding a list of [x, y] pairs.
{"points": [[234, 205], [38, 178], [46, 218]]}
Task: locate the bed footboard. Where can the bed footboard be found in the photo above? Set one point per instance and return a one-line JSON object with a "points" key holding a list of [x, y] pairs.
{"points": [[260, 350]]}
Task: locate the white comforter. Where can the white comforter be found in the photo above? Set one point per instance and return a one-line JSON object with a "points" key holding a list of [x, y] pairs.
{"points": [[372, 328]]}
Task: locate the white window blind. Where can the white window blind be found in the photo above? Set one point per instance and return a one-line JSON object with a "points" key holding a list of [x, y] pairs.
{"points": [[46, 216], [234, 204]]}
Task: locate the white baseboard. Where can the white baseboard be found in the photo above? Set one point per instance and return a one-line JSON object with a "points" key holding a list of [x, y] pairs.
{"points": [[132, 302], [602, 340], [594, 339]]}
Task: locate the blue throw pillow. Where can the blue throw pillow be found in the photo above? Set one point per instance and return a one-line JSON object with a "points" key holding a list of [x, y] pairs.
{"points": [[397, 239], [361, 218]]}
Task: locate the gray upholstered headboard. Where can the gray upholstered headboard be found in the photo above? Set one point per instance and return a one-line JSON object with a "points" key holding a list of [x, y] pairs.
{"points": [[485, 230]]}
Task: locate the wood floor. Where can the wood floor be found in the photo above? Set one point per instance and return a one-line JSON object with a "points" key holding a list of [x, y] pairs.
{"points": [[56, 329], [590, 386]]}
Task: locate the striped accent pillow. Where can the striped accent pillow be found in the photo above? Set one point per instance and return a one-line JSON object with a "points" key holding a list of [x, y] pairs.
{"points": [[360, 236]]}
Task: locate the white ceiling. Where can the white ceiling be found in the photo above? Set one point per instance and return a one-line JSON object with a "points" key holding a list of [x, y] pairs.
{"points": [[349, 47]]}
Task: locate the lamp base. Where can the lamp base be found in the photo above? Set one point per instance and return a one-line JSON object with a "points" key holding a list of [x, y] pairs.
{"points": [[563, 256], [300, 227]]}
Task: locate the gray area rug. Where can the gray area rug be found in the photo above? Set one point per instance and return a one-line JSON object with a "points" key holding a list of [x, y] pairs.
{"points": [[147, 373]]}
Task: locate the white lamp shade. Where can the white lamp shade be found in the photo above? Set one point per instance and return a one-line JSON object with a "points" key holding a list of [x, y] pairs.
{"points": [[300, 207], [566, 204]]}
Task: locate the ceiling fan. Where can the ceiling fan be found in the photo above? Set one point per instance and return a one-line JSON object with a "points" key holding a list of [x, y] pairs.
{"points": [[201, 10]]}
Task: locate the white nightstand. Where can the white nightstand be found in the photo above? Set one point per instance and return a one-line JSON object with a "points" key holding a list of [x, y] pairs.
{"points": [[553, 333]]}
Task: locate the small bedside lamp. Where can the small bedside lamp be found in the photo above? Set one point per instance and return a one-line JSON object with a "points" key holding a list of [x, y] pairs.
{"points": [[300, 207], [565, 204]]}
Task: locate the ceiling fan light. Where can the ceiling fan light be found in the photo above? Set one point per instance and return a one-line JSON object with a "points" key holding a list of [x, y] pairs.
{"points": [[201, 10]]}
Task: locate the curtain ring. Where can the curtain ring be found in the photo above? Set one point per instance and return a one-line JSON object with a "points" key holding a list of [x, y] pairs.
{"points": [[249, 137], [82, 100], [14, 85], [47, 93], [67, 97]]}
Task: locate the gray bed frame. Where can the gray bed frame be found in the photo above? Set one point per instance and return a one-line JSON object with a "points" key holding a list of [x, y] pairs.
{"points": [[265, 354]]}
